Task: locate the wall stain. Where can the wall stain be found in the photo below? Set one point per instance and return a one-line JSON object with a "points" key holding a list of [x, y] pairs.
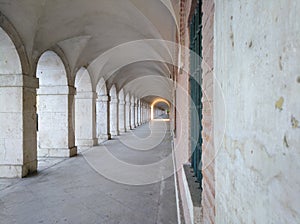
{"points": [[250, 44], [279, 103], [232, 39], [295, 122], [280, 63], [298, 79], [285, 142]]}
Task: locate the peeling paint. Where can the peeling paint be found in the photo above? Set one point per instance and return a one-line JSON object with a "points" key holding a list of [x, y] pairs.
{"points": [[279, 103]]}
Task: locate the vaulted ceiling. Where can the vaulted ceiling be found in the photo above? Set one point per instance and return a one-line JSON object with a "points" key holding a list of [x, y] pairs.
{"points": [[124, 41]]}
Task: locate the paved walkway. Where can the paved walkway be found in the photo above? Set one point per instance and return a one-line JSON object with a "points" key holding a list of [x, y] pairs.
{"points": [[126, 180]]}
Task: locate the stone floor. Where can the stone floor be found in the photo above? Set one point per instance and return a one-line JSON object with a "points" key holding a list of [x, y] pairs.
{"points": [[126, 180]]}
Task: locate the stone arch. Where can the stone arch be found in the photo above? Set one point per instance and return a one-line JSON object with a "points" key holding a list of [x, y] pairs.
{"points": [[61, 61], [85, 110], [17, 49], [51, 70], [128, 97], [121, 95], [10, 63], [156, 111], [55, 105], [17, 118], [113, 92], [101, 88], [83, 81]]}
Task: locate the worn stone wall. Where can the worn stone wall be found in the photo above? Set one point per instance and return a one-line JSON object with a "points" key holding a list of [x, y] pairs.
{"points": [[208, 150], [182, 131], [257, 52]]}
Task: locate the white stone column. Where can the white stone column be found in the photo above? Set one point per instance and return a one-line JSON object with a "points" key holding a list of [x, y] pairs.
{"points": [[18, 124], [136, 123], [127, 112], [144, 114], [56, 137], [149, 113], [132, 120], [85, 131], [102, 118], [114, 117], [140, 112], [122, 116]]}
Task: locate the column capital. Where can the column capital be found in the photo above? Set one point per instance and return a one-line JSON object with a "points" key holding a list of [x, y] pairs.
{"points": [[19, 80], [103, 98], [86, 95], [56, 90], [114, 100]]}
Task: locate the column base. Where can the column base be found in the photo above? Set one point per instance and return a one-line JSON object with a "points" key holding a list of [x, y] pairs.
{"points": [[86, 142], [115, 133], [58, 153], [103, 138], [18, 171], [132, 127], [122, 131]]}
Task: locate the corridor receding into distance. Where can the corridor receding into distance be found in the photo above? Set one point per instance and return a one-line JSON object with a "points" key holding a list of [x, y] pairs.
{"points": [[149, 111], [75, 191]]}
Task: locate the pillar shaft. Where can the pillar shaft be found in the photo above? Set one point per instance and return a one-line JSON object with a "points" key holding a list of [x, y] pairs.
{"points": [[136, 123], [102, 106], [128, 117], [132, 120], [122, 117], [85, 130], [114, 117], [56, 137], [18, 155]]}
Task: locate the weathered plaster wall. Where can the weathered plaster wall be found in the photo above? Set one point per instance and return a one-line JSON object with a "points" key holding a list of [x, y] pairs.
{"points": [[257, 48]]}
